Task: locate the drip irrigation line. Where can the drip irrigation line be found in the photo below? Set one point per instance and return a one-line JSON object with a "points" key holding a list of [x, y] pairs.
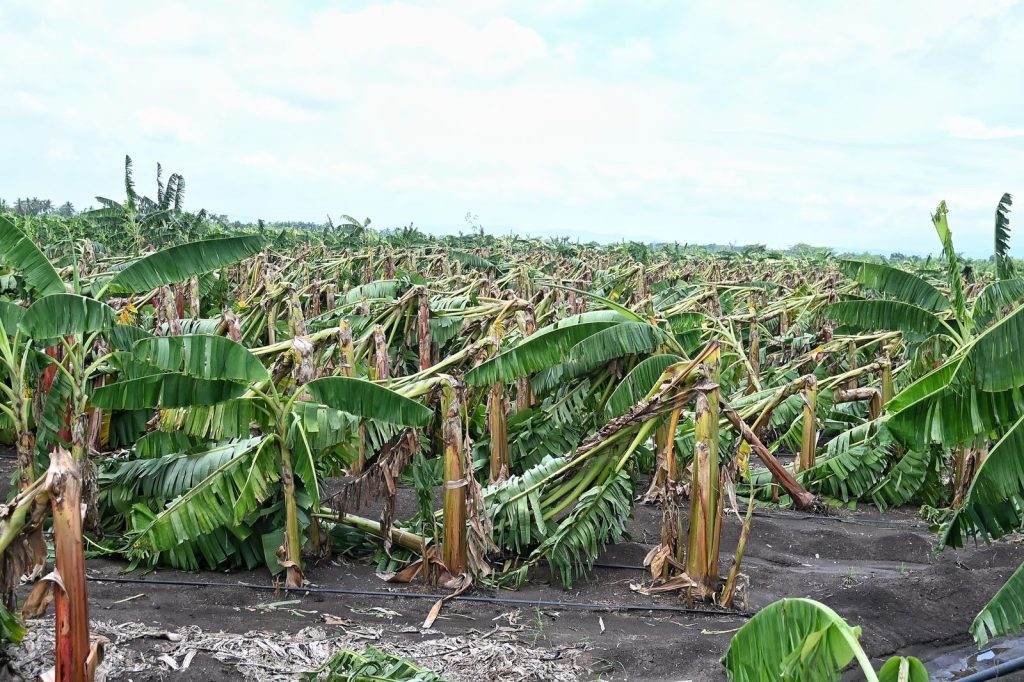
{"points": [[620, 567], [582, 606], [1010, 666]]}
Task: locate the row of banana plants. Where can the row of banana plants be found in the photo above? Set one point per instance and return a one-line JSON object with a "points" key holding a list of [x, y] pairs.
{"points": [[234, 401]]}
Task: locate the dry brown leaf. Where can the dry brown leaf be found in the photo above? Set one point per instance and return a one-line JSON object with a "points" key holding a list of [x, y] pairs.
{"points": [[42, 594]]}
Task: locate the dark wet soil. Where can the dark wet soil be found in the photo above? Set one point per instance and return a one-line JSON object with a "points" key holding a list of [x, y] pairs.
{"points": [[878, 571]]}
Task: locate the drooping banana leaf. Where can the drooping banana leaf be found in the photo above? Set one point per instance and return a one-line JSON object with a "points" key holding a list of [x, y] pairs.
{"points": [[367, 400], [242, 478], [627, 338], [21, 253], [519, 524], [879, 314], [1004, 262], [547, 347], [166, 391], [179, 263], [58, 315], [11, 629], [1004, 613], [994, 504], [794, 640], [895, 283], [202, 356], [638, 383], [954, 280], [996, 296], [598, 519]]}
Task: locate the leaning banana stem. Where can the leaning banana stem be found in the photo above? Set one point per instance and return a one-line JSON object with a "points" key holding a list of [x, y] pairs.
{"points": [[728, 592], [801, 498], [642, 435]]}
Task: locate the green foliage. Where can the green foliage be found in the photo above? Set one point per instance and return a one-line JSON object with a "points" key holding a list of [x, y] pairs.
{"points": [[903, 669], [638, 383], [11, 629], [215, 489], [20, 253], [179, 263], [1004, 263], [57, 315], [165, 390], [547, 347], [1004, 613], [515, 507], [372, 665], [622, 339], [368, 400], [202, 356], [994, 505], [953, 277], [897, 284], [793, 640], [880, 314], [598, 519]]}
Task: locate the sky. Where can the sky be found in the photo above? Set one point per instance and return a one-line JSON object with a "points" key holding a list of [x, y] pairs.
{"points": [[831, 123]]}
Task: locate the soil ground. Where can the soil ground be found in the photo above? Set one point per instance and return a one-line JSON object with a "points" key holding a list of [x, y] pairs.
{"points": [[878, 571]]}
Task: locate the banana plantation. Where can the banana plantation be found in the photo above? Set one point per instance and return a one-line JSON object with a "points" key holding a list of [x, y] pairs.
{"points": [[791, 465]]}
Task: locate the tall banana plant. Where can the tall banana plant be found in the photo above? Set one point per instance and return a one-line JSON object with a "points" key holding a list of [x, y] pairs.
{"points": [[973, 396], [200, 371], [62, 317]]}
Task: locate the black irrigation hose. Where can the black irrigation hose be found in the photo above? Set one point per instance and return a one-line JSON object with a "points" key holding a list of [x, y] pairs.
{"points": [[583, 606], [1012, 665]]}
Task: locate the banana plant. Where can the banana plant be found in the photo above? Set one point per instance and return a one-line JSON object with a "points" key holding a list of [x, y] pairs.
{"points": [[73, 323], [973, 392], [974, 396], [201, 371]]}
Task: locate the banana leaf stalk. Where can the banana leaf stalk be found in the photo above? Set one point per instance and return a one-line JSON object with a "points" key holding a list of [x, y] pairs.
{"points": [[399, 536], [729, 591], [380, 354], [887, 385], [754, 352], [524, 393]]}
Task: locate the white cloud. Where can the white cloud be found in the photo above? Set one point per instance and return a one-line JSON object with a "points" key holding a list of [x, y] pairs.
{"points": [[633, 51], [967, 128], [158, 121], [767, 122]]}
